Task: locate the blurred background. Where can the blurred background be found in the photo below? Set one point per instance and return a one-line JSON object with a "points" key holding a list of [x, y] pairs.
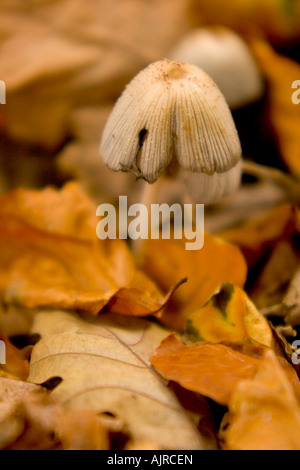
{"points": [[65, 62]]}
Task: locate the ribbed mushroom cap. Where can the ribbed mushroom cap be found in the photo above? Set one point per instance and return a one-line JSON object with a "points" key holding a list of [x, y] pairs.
{"points": [[226, 58], [170, 110]]}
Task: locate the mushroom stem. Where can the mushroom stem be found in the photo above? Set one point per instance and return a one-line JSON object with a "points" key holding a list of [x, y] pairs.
{"points": [[281, 179], [147, 198]]}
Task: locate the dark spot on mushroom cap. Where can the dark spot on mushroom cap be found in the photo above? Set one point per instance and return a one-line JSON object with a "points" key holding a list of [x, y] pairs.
{"points": [[142, 136]]}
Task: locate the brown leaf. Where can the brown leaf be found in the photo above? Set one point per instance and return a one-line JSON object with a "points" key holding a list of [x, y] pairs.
{"points": [[270, 248], [256, 237], [59, 56]]}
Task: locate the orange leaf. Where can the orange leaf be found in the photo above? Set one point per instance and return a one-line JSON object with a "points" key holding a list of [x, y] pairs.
{"points": [[50, 255], [166, 261], [212, 370], [280, 73], [264, 411], [256, 237]]}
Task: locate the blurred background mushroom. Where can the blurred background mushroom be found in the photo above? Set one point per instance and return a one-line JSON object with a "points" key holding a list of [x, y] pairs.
{"points": [[227, 59]]}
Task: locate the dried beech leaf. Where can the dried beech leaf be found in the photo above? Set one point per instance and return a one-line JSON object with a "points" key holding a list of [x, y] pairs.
{"points": [[280, 73], [272, 282], [57, 56], [166, 261], [50, 256], [104, 364], [213, 370], [229, 316], [16, 366], [256, 237], [264, 412], [31, 419]]}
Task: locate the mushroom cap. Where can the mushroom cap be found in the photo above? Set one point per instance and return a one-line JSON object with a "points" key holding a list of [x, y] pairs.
{"points": [[170, 110], [227, 59], [209, 189]]}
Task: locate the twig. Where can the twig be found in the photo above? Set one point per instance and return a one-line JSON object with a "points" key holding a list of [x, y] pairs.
{"points": [[281, 179]]}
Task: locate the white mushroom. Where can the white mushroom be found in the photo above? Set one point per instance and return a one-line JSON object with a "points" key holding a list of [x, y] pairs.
{"points": [[227, 59], [173, 110]]}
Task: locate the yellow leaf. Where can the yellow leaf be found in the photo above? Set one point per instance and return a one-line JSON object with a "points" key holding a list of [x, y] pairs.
{"points": [[229, 316]]}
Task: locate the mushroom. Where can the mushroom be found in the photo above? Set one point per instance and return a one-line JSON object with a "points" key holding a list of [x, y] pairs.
{"points": [[227, 59], [172, 118]]}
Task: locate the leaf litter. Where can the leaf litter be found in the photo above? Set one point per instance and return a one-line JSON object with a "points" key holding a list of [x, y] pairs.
{"points": [[122, 345]]}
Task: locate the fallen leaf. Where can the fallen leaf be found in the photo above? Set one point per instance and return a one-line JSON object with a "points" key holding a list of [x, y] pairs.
{"points": [[166, 261], [213, 370], [229, 316], [31, 419], [16, 366], [50, 256], [104, 364], [280, 73], [270, 247], [264, 412], [58, 57], [273, 280], [256, 237]]}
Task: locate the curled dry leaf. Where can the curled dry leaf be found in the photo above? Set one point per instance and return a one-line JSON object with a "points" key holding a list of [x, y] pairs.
{"points": [[213, 370], [31, 419], [104, 364], [264, 412], [50, 256], [229, 316], [271, 284], [166, 261]]}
